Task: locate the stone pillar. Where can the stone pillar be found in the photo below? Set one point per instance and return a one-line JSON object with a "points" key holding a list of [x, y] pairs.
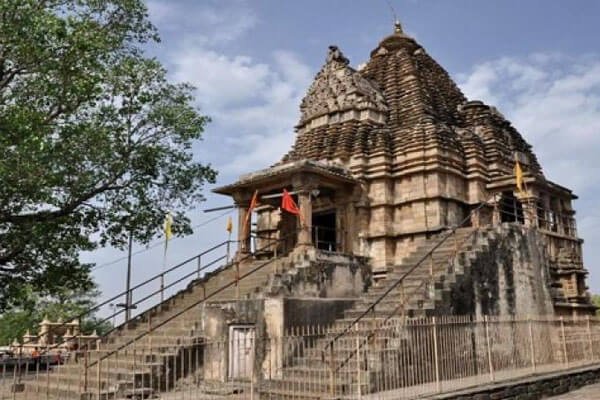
{"points": [[476, 218], [496, 218], [243, 229], [560, 217], [545, 224], [242, 201], [529, 205], [44, 332], [305, 205], [347, 233], [531, 215]]}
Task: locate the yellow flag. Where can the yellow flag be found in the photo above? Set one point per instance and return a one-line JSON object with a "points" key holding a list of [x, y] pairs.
{"points": [[167, 226], [518, 176], [229, 224]]}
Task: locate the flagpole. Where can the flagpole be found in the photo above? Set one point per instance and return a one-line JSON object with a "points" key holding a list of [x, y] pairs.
{"points": [[229, 229], [228, 248], [128, 281], [167, 228], [162, 272]]}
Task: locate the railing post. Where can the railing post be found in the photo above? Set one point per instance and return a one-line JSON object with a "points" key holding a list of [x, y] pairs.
{"points": [[200, 263], [237, 281], [227, 254], [86, 371], [489, 347], [17, 376], [531, 343], [431, 282], [99, 383], [162, 287], [359, 387], [331, 371], [455, 241], [252, 372], [590, 339], [438, 383], [564, 340]]}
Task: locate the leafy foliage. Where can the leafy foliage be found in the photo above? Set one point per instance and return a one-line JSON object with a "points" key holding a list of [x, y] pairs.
{"points": [[95, 142], [63, 305]]}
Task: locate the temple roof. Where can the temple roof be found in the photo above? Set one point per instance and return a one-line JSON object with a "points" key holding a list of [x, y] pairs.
{"points": [[252, 180], [338, 87], [401, 100]]}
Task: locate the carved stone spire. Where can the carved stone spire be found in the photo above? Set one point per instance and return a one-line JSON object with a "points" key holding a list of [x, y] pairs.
{"points": [[335, 55]]}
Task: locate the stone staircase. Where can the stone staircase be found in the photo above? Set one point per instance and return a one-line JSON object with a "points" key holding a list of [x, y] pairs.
{"points": [[424, 292], [136, 363]]}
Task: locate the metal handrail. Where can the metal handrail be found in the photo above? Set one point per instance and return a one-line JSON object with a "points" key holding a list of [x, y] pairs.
{"points": [[400, 280], [413, 268], [149, 296], [194, 304], [94, 308]]}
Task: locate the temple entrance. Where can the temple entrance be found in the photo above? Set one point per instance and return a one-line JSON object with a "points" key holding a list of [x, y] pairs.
{"points": [[511, 209], [241, 351], [324, 233]]}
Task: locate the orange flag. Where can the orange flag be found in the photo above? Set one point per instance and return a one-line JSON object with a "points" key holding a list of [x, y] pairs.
{"points": [[288, 204], [519, 176]]}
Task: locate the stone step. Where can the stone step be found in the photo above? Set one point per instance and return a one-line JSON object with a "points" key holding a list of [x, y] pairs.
{"points": [[322, 372], [77, 393], [147, 343], [345, 384], [131, 362], [283, 394], [382, 312]]}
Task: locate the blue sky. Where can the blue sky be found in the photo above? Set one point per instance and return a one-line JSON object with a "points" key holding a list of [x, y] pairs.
{"points": [[252, 62]]}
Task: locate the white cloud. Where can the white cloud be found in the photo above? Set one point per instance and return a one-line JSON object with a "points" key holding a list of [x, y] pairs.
{"points": [[254, 105], [221, 81], [554, 101], [209, 21]]}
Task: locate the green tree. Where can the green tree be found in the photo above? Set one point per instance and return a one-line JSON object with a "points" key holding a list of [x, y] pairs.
{"points": [[95, 142], [32, 309]]}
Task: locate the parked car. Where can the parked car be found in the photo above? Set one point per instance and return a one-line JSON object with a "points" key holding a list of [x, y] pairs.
{"points": [[5, 353]]}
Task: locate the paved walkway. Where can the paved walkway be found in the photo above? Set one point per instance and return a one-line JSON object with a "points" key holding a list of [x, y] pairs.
{"points": [[591, 392]]}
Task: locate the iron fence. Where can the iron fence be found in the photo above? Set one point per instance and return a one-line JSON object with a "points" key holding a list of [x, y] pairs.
{"points": [[402, 358]]}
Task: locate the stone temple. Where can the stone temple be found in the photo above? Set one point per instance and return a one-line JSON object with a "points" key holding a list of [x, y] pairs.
{"points": [[392, 155], [406, 205]]}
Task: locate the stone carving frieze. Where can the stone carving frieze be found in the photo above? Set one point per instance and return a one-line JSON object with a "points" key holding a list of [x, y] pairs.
{"points": [[339, 87]]}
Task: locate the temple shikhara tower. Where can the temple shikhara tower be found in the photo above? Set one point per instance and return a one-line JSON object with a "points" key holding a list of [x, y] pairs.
{"points": [[391, 155]]}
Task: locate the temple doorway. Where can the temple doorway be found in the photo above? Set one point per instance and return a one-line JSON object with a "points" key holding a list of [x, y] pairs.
{"points": [[324, 230], [241, 351]]}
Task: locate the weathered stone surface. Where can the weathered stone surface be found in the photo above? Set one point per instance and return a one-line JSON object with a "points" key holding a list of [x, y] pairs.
{"points": [[537, 387], [427, 156]]}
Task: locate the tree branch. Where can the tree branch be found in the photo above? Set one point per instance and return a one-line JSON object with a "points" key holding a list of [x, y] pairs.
{"points": [[66, 209]]}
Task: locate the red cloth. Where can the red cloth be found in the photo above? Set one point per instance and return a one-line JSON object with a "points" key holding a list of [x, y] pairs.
{"points": [[288, 204]]}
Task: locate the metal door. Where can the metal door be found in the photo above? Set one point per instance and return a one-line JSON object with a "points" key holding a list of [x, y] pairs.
{"points": [[241, 351]]}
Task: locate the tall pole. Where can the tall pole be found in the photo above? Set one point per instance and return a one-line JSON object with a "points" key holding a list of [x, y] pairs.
{"points": [[128, 282]]}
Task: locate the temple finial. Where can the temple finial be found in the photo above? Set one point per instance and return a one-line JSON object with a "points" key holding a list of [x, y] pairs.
{"points": [[398, 27]]}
